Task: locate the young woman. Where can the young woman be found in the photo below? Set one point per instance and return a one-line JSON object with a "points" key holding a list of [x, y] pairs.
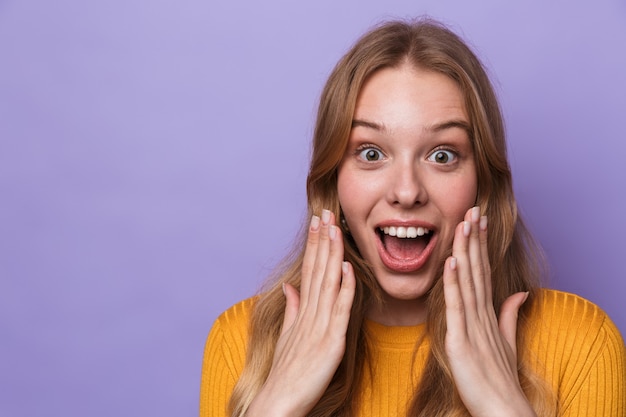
{"points": [[415, 289]]}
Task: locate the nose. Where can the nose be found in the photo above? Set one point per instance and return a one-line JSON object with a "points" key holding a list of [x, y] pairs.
{"points": [[407, 188]]}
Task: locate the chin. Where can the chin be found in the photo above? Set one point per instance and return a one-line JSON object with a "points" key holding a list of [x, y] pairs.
{"points": [[405, 287]]}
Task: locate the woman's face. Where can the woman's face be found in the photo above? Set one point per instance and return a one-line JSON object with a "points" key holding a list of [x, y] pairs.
{"points": [[408, 176]]}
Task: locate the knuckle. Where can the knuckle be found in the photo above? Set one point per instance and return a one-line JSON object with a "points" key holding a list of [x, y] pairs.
{"points": [[317, 270], [327, 284], [456, 307], [459, 307], [312, 239], [307, 268], [479, 270], [325, 232]]}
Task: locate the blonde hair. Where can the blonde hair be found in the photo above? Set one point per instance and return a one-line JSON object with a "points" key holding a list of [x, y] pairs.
{"points": [[514, 256]]}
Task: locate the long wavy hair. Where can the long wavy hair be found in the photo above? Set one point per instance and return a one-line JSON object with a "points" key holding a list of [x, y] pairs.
{"points": [[514, 257]]}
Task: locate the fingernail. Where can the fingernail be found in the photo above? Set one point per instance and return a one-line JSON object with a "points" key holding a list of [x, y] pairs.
{"points": [[483, 223], [453, 264], [315, 223], [467, 227], [344, 267], [332, 232], [475, 214], [525, 297], [325, 217]]}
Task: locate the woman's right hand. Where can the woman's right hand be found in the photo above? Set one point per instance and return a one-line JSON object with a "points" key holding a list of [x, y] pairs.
{"points": [[313, 336]]}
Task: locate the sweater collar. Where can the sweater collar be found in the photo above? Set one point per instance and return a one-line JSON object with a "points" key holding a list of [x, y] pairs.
{"points": [[399, 337]]}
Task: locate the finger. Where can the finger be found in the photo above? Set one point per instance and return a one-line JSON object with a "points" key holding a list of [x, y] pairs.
{"points": [[455, 310], [291, 307], [345, 298], [460, 251], [486, 264], [321, 259], [508, 318], [310, 253], [476, 256], [331, 282]]}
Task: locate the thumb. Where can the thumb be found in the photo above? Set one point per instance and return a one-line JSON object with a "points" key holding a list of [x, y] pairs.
{"points": [[508, 318], [291, 307]]}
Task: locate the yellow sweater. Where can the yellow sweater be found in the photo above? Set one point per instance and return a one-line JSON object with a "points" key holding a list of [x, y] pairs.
{"points": [[582, 350]]}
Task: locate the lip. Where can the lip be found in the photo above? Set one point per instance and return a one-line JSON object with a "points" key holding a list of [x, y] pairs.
{"points": [[403, 265], [405, 223]]}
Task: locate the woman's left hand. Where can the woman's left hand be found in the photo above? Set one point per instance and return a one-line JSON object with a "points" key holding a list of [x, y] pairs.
{"points": [[481, 348]]}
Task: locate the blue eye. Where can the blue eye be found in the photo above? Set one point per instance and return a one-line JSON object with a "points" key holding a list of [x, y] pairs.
{"points": [[442, 156], [371, 154]]}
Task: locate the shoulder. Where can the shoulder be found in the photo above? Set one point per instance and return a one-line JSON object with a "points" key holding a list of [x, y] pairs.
{"points": [[570, 318], [573, 340], [237, 313], [225, 348], [233, 323], [562, 312], [224, 357]]}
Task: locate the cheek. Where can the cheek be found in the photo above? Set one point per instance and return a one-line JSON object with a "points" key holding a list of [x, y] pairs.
{"points": [[343, 190], [357, 196], [348, 198], [352, 191], [459, 196], [466, 198]]}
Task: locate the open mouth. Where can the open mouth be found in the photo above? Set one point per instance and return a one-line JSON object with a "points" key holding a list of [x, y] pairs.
{"points": [[405, 248]]}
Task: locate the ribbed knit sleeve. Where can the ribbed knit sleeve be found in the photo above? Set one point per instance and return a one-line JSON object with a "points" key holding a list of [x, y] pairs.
{"points": [[582, 355], [602, 392], [224, 357]]}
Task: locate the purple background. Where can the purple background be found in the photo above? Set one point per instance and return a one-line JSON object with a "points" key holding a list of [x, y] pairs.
{"points": [[153, 156]]}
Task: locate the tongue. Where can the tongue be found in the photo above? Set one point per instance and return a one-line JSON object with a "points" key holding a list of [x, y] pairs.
{"points": [[404, 248]]}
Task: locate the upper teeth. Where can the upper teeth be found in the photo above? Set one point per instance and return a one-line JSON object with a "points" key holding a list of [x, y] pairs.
{"points": [[404, 232]]}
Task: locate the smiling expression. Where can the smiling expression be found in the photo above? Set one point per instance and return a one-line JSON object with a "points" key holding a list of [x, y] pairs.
{"points": [[406, 180]]}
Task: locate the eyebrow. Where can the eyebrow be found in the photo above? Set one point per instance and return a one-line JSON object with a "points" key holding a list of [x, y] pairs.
{"points": [[449, 124], [370, 125]]}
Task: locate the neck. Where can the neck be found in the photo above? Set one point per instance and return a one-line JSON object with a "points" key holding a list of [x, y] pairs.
{"points": [[395, 312]]}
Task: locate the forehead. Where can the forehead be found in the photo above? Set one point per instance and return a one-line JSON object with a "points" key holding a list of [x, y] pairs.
{"points": [[406, 95]]}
